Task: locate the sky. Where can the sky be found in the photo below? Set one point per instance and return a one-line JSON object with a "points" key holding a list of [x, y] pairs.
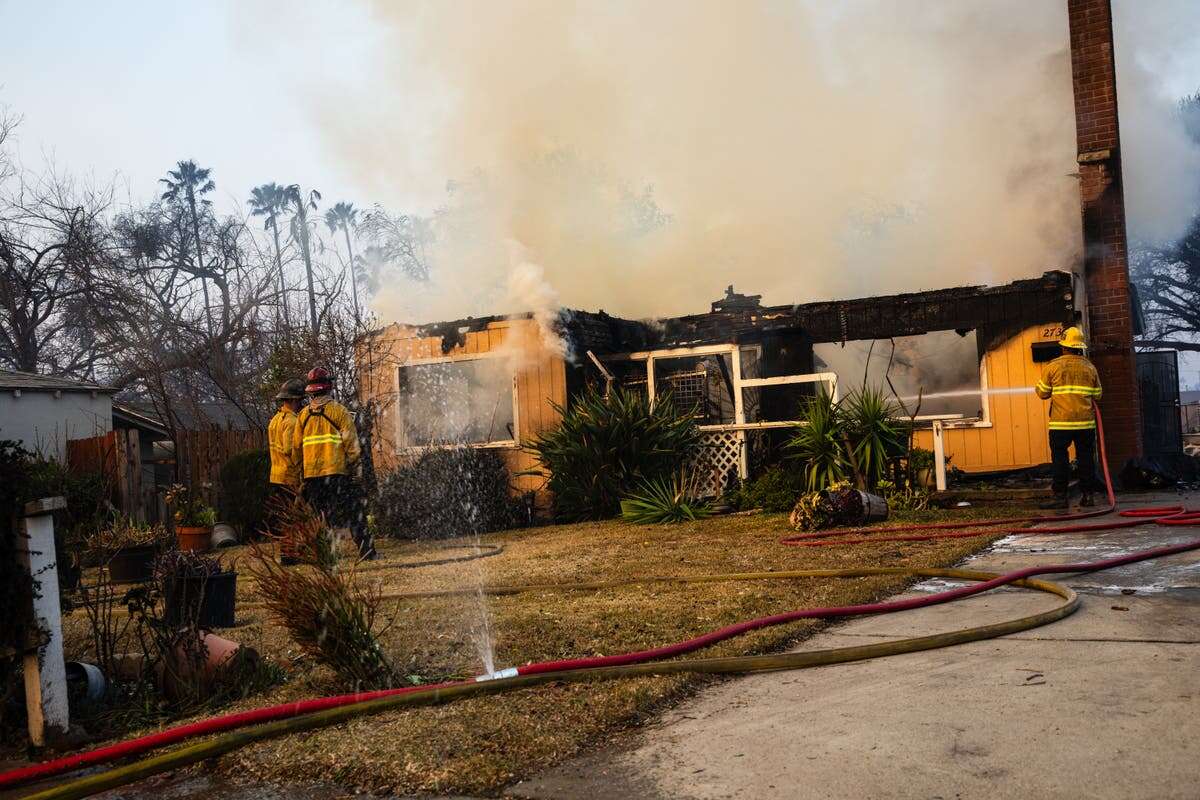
{"points": [[347, 96], [126, 89]]}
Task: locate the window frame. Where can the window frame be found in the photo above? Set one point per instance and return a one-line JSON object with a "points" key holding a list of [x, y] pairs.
{"points": [[497, 444]]}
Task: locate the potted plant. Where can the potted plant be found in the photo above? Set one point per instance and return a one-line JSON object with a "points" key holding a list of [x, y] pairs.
{"points": [[196, 590], [194, 518], [920, 467], [128, 547]]}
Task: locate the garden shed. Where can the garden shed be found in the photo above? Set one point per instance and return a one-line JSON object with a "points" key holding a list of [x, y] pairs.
{"points": [[960, 360]]}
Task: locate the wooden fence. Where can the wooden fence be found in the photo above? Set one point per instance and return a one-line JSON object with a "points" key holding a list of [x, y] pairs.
{"points": [[1189, 416], [201, 454], [118, 456]]}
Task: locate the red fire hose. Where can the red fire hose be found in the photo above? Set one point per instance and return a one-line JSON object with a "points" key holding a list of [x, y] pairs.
{"points": [[1170, 515]]}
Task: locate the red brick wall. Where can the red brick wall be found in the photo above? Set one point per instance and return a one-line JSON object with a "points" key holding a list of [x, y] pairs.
{"points": [[1106, 265]]}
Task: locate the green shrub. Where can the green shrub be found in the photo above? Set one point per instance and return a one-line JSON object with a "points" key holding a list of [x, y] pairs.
{"points": [[16, 584], [919, 458], [661, 500], [870, 423], [607, 447], [856, 437], [818, 443], [245, 489], [908, 498], [774, 490], [447, 492]]}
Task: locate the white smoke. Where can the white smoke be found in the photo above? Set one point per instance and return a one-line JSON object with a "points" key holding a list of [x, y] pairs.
{"points": [[1160, 161], [805, 151]]}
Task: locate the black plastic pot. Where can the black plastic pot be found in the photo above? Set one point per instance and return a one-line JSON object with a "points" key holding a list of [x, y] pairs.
{"points": [[132, 564], [206, 602]]}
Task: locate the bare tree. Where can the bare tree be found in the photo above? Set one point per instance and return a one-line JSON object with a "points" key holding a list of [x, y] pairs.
{"points": [[402, 241], [1168, 278], [52, 242]]}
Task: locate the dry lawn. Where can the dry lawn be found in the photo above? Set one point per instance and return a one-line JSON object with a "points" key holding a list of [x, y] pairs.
{"points": [[479, 745]]}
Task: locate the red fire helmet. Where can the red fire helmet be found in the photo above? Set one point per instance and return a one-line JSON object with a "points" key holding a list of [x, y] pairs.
{"points": [[318, 381]]}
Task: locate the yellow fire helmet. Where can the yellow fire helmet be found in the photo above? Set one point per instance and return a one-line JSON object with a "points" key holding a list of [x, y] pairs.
{"points": [[1073, 338]]}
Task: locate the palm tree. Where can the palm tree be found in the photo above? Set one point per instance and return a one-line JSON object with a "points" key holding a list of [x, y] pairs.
{"points": [[345, 216], [300, 204], [268, 201], [188, 183]]}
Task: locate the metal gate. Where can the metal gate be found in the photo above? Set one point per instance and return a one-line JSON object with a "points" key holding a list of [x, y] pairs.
{"points": [[1158, 384]]}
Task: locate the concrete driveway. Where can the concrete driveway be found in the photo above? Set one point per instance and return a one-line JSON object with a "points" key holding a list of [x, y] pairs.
{"points": [[1105, 703]]}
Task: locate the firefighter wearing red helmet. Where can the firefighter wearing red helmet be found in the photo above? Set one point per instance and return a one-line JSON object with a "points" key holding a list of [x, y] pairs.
{"points": [[331, 455]]}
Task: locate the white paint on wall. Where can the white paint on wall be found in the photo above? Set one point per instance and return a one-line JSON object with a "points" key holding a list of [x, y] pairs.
{"points": [[43, 421]]}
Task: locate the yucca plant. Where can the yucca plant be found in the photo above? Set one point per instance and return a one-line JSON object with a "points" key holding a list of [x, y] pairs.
{"points": [[662, 500], [870, 423], [818, 442], [608, 446]]}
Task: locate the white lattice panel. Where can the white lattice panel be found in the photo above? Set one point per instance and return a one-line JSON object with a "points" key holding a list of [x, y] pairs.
{"points": [[719, 457]]}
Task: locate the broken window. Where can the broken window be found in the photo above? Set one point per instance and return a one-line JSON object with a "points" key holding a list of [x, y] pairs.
{"points": [[456, 402], [942, 368], [701, 384]]}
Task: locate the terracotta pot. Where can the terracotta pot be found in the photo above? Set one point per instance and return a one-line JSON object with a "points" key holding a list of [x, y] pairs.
{"points": [[924, 478], [195, 539], [220, 654]]}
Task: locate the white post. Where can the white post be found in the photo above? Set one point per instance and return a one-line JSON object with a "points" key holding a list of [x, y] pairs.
{"points": [[650, 380], [45, 669], [939, 455], [739, 412]]}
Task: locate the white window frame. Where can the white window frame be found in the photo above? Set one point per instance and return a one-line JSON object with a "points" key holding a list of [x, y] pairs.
{"points": [[498, 444], [734, 351], [949, 421]]}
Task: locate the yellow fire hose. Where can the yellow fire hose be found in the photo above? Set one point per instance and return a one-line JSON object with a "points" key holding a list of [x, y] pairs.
{"points": [[228, 742]]}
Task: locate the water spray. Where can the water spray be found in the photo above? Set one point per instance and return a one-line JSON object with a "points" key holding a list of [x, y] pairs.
{"points": [[968, 393]]}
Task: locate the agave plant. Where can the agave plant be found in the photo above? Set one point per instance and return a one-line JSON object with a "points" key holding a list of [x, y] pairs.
{"points": [[609, 446], [870, 422], [661, 500], [818, 442]]}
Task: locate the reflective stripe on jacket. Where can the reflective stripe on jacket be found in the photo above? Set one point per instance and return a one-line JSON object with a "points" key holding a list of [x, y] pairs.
{"points": [[1070, 383], [326, 436], [285, 456]]}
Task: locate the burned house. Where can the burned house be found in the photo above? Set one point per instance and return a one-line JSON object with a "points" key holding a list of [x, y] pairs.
{"points": [[960, 360]]}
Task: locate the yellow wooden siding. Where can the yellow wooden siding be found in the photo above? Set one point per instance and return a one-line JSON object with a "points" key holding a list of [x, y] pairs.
{"points": [[540, 381], [1017, 436]]}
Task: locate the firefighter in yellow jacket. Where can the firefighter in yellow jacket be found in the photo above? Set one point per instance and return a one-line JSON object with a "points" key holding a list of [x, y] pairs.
{"points": [[331, 455], [1071, 383], [286, 467]]}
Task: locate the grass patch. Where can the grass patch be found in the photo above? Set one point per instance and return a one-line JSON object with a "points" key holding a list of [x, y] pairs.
{"points": [[481, 744]]}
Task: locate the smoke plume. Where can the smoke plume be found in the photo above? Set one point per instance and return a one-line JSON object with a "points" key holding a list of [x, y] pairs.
{"points": [[1160, 161], [647, 154]]}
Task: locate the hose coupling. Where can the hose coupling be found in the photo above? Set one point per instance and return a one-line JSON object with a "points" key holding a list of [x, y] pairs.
{"points": [[510, 672]]}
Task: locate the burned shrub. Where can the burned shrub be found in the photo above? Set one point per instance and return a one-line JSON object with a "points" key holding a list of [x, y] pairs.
{"points": [[331, 613], [447, 492]]}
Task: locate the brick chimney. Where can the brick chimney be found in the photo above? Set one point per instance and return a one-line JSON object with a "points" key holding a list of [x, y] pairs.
{"points": [[1106, 264]]}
